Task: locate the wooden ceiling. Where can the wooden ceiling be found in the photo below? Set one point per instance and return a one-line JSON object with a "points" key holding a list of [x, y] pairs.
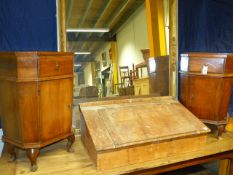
{"points": [[95, 14]]}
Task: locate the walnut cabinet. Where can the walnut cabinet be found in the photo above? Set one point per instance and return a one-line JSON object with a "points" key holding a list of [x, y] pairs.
{"points": [[205, 86], [36, 90]]}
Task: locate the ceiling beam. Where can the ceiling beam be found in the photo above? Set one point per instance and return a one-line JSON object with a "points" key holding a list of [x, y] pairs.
{"points": [[85, 37], [103, 10], [125, 16], [92, 48], [108, 13], [113, 15], [116, 15], [83, 58], [69, 11], [120, 13], [116, 12], [87, 10], [85, 14]]}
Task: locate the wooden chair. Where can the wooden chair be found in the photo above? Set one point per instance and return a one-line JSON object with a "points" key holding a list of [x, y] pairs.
{"points": [[138, 69], [125, 78]]}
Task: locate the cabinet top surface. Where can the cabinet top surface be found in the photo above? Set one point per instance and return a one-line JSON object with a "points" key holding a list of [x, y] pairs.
{"points": [[206, 54], [120, 123], [213, 64]]}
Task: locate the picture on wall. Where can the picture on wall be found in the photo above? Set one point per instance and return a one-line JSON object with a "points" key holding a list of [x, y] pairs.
{"points": [[97, 65], [104, 59]]}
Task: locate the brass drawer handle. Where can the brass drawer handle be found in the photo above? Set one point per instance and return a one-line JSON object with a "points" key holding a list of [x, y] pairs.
{"points": [[58, 66]]}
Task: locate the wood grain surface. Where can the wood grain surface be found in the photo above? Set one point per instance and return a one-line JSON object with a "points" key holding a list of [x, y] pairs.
{"points": [[207, 94], [117, 133], [36, 90], [124, 124], [55, 160]]}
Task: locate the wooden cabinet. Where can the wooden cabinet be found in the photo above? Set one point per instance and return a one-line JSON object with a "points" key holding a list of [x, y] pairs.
{"points": [[158, 80], [141, 86], [205, 86], [36, 90], [158, 69]]}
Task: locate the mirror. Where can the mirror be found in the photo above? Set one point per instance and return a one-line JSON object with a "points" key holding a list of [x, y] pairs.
{"points": [[111, 43]]}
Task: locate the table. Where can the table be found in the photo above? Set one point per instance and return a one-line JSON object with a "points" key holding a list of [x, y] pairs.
{"points": [[58, 161]]}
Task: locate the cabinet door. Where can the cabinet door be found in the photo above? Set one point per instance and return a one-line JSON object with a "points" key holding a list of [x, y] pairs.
{"points": [[141, 86], [205, 95], [202, 97], [145, 88], [55, 108], [137, 89]]}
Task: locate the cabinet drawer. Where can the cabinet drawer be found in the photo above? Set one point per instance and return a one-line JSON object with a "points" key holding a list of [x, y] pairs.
{"points": [[54, 66], [215, 65]]}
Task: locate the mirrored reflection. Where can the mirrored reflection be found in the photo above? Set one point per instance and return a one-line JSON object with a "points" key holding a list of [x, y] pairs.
{"points": [[112, 55]]}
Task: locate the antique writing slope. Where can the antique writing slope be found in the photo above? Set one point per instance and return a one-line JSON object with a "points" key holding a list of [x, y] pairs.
{"points": [[123, 132]]}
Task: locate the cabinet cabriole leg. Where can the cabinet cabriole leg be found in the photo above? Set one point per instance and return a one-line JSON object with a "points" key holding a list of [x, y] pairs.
{"points": [[32, 154], [11, 151], [220, 130], [70, 142]]}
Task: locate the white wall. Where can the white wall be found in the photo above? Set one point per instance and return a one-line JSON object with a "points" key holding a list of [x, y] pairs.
{"points": [[132, 37], [88, 75], [75, 84]]}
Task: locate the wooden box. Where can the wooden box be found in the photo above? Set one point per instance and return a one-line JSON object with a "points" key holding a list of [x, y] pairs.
{"points": [[127, 131], [88, 91], [205, 86], [36, 90]]}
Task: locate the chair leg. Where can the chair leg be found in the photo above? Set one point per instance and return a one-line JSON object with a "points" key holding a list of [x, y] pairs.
{"points": [[70, 142]]}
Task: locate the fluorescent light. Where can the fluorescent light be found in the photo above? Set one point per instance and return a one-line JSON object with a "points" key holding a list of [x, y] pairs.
{"points": [[77, 65], [102, 30], [82, 53]]}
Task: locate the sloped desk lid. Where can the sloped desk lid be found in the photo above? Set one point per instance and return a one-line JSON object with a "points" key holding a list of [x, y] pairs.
{"points": [[121, 123]]}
